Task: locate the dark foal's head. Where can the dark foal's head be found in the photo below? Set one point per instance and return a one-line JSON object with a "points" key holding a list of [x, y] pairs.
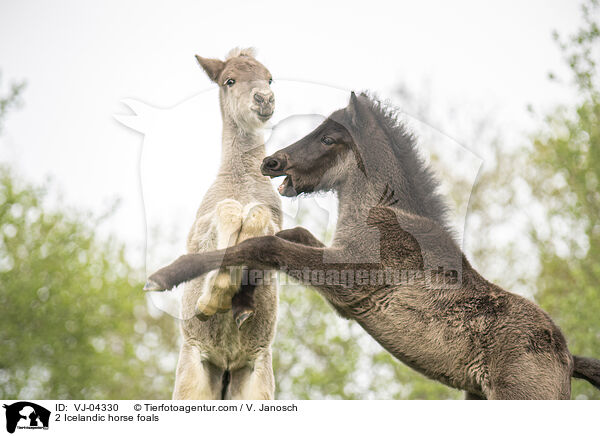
{"points": [[320, 160], [365, 144]]}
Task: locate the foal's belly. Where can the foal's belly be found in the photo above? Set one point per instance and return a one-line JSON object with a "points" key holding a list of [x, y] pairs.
{"points": [[223, 344], [437, 348], [219, 339]]}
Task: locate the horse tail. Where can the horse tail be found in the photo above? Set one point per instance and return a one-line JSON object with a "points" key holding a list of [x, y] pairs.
{"points": [[587, 369]]}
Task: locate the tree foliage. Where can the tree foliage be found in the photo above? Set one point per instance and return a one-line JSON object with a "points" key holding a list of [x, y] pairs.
{"points": [[564, 174], [73, 322]]}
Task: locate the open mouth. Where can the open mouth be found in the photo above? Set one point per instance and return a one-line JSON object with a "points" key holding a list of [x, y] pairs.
{"points": [[287, 188], [273, 167], [265, 116]]}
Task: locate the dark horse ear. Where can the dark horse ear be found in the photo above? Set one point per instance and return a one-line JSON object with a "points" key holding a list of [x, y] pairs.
{"points": [[352, 108], [212, 67]]}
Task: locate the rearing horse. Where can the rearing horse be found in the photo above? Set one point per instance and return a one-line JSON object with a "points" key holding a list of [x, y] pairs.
{"points": [[395, 268], [225, 356]]}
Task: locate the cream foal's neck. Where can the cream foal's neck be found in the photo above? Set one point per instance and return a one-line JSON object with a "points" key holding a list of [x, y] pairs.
{"points": [[242, 151]]}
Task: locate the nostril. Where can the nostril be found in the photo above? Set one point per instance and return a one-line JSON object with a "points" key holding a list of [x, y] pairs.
{"points": [[272, 163], [258, 98]]}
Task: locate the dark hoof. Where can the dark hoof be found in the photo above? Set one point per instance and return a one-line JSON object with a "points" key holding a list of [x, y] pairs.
{"points": [[202, 317], [243, 317], [151, 285]]}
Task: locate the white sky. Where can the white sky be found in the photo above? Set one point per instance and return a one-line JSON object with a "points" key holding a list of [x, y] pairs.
{"points": [[81, 58]]}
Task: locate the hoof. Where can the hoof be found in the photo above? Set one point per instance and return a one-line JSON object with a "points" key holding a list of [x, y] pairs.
{"points": [[203, 312], [201, 316], [204, 315], [243, 317]]}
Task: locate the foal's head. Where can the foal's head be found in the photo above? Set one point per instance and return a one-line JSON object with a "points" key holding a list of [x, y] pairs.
{"points": [[365, 144], [321, 160], [244, 87]]}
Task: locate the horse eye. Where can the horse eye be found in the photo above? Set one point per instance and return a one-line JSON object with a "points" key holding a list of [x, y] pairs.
{"points": [[270, 81], [327, 140], [230, 82]]}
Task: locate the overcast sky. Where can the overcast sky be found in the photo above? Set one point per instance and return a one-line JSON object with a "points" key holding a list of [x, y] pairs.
{"points": [[82, 58]]}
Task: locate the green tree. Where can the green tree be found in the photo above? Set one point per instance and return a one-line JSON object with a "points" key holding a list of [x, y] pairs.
{"points": [[564, 174], [73, 321]]}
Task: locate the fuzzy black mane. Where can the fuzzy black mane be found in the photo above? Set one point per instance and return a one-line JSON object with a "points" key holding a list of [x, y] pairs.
{"points": [[421, 193]]}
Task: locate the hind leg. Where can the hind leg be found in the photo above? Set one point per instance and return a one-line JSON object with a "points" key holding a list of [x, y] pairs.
{"points": [[195, 378], [531, 376], [219, 287], [257, 383], [471, 396], [530, 391]]}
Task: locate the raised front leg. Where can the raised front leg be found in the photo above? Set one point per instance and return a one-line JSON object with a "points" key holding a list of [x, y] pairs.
{"points": [[300, 235], [243, 302], [219, 286], [268, 253], [257, 221]]}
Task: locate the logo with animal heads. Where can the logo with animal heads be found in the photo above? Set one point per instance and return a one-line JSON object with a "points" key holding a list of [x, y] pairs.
{"points": [[26, 415]]}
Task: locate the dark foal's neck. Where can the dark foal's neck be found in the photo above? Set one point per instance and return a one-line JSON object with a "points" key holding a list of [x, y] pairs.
{"points": [[391, 163], [356, 197], [385, 183]]}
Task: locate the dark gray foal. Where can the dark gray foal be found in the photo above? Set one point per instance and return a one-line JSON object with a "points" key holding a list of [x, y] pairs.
{"points": [[395, 268]]}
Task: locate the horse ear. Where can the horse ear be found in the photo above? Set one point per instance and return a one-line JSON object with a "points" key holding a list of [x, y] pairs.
{"points": [[352, 108], [212, 67]]}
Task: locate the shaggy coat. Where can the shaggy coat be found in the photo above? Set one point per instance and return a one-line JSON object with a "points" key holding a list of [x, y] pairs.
{"points": [[395, 268]]}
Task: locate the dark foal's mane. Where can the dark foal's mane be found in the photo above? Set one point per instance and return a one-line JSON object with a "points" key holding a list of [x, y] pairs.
{"points": [[415, 184]]}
